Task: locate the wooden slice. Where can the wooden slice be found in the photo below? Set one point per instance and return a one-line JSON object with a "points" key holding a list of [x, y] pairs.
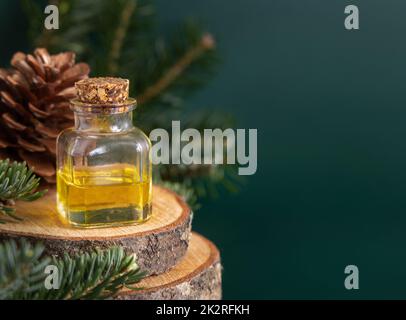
{"points": [[196, 277], [158, 243]]}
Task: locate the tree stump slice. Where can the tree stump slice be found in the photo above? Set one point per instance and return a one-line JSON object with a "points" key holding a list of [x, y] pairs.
{"points": [[196, 277], [159, 243]]}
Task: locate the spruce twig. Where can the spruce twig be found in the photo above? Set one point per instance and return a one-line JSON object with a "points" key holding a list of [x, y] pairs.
{"points": [[17, 182], [120, 35], [96, 275], [185, 190], [206, 43]]}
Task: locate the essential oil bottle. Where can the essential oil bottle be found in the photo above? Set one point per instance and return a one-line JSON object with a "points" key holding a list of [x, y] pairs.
{"points": [[104, 163]]}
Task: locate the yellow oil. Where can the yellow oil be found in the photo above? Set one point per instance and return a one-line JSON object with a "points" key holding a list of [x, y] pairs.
{"points": [[103, 195]]}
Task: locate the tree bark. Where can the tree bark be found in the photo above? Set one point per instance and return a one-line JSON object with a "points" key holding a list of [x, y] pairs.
{"points": [[196, 277]]}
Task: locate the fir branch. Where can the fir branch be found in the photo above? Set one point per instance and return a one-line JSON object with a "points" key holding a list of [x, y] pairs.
{"points": [[206, 43], [185, 190], [120, 35], [96, 275], [204, 180], [77, 19], [17, 182], [21, 269]]}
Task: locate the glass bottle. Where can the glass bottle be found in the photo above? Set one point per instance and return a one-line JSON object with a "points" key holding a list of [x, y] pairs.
{"points": [[103, 163]]}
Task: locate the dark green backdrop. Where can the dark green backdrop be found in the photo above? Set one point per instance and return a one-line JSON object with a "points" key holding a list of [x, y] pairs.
{"points": [[330, 107]]}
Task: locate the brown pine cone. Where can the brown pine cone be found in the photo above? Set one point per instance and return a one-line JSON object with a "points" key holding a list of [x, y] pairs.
{"points": [[34, 106]]}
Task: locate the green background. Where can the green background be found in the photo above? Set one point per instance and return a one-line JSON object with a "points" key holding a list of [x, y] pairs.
{"points": [[330, 107]]}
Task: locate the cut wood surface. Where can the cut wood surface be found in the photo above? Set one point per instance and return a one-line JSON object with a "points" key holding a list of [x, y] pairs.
{"points": [[197, 276], [159, 243]]}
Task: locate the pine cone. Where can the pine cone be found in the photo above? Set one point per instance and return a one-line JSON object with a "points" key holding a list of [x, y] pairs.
{"points": [[34, 106]]}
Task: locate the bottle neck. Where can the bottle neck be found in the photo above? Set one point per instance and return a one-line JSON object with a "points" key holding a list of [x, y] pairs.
{"points": [[104, 123]]}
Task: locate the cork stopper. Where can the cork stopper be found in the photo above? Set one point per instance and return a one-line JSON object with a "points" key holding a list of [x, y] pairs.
{"points": [[102, 91]]}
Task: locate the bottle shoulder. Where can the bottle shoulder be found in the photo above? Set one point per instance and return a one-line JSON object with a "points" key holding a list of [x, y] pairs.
{"points": [[76, 142], [140, 135], [134, 132], [65, 135]]}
